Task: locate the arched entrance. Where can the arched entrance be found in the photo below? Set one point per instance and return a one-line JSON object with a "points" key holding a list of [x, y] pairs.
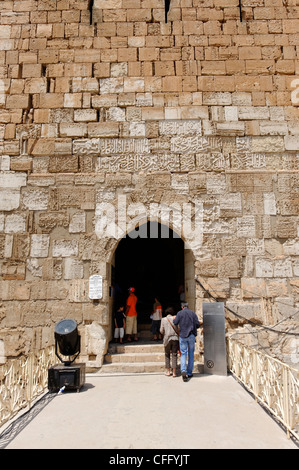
{"points": [[153, 260]]}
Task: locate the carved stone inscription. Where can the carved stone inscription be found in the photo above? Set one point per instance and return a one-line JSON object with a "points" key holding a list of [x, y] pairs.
{"points": [[139, 163], [183, 148], [110, 146], [194, 144]]}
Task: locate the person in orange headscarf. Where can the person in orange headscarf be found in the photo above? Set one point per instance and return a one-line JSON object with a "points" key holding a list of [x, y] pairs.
{"points": [[156, 320], [131, 314]]}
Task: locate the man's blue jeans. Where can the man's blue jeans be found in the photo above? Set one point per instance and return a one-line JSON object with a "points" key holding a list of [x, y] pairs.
{"points": [[187, 346]]}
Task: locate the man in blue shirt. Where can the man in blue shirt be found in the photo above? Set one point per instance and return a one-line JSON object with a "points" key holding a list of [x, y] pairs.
{"points": [[188, 323]]}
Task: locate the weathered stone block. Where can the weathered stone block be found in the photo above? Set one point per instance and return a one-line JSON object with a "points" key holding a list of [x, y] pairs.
{"points": [[216, 183], [15, 290], [31, 70], [15, 223], [78, 291], [230, 267], [40, 245], [20, 246], [276, 288], [291, 142], [9, 200], [85, 115], [255, 246], [109, 4], [89, 85], [97, 341], [69, 197], [111, 85], [65, 248], [63, 164], [72, 100], [283, 268], [73, 130], [234, 246], [51, 100], [264, 267], [12, 180], [291, 247], [253, 288], [78, 222], [231, 205], [221, 286], [289, 206], [63, 147], [6, 44], [41, 147], [246, 226], [4, 163], [116, 114], [267, 144], [35, 199], [270, 204], [73, 269], [52, 269], [5, 31]]}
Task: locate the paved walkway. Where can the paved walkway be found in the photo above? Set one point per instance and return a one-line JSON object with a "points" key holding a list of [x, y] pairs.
{"points": [[152, 411]]}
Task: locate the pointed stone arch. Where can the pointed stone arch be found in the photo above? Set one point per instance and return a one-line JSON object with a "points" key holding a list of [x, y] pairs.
{"points": [[109, 237]]}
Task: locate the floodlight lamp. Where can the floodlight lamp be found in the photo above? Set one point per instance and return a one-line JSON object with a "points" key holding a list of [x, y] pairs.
{"points": [[67, 340]]}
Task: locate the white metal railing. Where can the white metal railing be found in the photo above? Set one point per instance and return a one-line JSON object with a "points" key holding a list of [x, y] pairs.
{"points": [[273, 383], [22, 381]]}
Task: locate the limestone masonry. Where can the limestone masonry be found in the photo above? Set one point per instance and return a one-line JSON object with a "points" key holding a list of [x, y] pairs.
{"points": [[102, 99]]}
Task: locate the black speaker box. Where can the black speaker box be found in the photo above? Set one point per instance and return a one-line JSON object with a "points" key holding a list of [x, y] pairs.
{"points": [[71, 377]]}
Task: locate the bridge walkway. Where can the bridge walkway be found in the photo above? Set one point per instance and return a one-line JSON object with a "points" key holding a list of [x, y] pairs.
{"points": [[152, 411]]}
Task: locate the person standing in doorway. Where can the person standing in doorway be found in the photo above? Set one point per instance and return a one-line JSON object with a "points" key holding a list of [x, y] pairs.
{"points": [[188, 323], [131, 315], [156, 320], [120, 323]]}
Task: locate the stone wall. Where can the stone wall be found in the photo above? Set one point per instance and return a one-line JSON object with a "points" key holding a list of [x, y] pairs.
{"points": [[102, 99]]}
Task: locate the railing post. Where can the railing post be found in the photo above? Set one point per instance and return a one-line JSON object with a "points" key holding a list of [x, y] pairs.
{"points": [[30, 379], [236, 363], [286, 399], [255, 375]]}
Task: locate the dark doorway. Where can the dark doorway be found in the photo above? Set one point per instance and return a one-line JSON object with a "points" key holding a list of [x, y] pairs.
{"points": [[154, 266]]}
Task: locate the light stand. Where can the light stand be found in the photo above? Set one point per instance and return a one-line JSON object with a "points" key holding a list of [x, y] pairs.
{"points": [[68, 340], [68, 376]]}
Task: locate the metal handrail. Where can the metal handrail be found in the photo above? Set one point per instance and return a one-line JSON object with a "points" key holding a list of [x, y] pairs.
{"points": [[22, 380], [273, 383]]}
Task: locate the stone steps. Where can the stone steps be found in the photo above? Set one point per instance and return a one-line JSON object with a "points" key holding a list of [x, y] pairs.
{"points": [[144, 356], [135, 357]]}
